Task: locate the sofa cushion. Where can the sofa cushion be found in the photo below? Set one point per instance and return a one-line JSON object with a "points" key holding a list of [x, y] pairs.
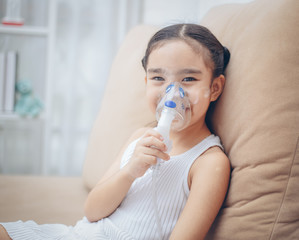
{"points": [[42, 199], [123, 108], [257, 118]]}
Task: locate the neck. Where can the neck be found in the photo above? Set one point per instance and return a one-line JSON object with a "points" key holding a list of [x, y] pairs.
{"points": [[188, 137]]}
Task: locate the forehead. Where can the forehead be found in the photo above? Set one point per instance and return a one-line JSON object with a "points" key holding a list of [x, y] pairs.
{"points": [[178, 53]]}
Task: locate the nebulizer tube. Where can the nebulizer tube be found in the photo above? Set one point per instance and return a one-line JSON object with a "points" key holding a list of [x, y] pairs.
{"points": [[172, 113]]}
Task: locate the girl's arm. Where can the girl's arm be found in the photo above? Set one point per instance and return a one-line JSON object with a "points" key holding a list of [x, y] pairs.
{"points": [[208, 180], [109, 192]]}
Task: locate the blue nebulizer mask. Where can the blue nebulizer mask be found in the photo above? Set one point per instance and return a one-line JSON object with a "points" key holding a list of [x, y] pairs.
{"points": [[173, 111]]}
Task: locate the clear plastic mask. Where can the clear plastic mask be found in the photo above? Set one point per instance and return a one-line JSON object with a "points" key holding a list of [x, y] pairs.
{"points": [[174, 99]]}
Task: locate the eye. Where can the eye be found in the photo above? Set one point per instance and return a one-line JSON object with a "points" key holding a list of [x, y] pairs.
{"points": [[189, 79], [157, 79]]}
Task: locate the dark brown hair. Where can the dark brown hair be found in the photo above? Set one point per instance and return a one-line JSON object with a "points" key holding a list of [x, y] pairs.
{"points": [[218, 55]]}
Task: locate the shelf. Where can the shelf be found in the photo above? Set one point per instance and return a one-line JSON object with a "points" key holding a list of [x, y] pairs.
{"points": [[9, 116], [25, 142], [24, 30], [16, 117]]}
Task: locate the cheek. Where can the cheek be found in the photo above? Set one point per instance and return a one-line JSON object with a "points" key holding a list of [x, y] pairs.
{"points": [[152, 98], [199, 95], [207, 93]]}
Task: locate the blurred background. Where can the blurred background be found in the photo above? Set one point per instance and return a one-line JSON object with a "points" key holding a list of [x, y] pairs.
{"points": [[64, 50]]}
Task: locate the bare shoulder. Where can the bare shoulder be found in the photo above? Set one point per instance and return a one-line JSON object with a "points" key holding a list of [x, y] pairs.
{"points": [[214, 155], [213, 161]]}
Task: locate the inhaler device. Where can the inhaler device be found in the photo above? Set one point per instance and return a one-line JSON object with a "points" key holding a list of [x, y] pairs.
{"points": [[173, 112]]}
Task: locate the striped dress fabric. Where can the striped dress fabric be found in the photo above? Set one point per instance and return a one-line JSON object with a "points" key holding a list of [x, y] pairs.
{"points": [[136, 217]]}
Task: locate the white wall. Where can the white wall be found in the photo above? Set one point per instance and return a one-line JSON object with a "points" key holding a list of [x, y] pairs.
{"points": [[87, 36], [176, 11]]}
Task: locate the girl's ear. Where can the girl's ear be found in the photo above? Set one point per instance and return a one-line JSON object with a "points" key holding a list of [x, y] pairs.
{"points": [[217, 87]]}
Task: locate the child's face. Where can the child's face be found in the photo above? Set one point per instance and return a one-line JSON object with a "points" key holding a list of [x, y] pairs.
{"points": [[176, 61]]}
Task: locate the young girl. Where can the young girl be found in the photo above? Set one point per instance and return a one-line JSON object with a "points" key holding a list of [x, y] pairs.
{"points": [[192, 181]]}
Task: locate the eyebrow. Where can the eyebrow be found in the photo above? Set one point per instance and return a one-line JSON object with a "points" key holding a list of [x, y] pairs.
{"points": [[156, 70], [189, 71], [182, 71]]}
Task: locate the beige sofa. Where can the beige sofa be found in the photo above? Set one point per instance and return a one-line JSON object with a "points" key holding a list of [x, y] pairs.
{"points": [[257, 118]]}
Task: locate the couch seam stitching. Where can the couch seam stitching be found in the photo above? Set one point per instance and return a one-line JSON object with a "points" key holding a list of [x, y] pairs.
{"points": [[285, 191]]}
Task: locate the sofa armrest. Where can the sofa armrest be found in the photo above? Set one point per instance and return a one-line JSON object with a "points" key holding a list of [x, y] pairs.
{"points": [[42, 199]]}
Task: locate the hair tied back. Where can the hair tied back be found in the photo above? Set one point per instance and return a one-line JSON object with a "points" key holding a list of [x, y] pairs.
{"points": [[226, 57]]}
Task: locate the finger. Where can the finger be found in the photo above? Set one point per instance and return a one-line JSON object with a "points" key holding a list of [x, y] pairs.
{"points": [[156, 153], [152, 141], [151, 160], [154, 133]]}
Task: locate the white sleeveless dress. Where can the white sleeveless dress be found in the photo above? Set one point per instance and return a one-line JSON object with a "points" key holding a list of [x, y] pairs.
{"points": [[135, 218]]}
